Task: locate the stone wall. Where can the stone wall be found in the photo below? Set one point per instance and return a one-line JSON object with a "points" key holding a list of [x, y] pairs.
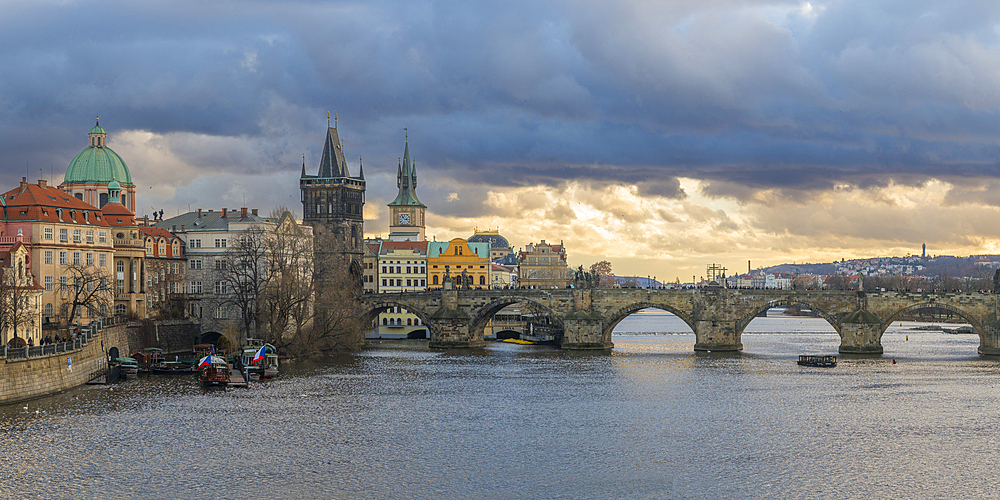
{"points": [[24, 379], [169, 335]]}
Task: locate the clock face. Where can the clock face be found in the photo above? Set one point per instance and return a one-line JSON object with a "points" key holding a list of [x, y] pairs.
{"points": [[404, 218]]}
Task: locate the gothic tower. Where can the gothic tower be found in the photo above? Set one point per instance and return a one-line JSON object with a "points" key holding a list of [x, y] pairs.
{"points": [[333, 204], [406, 213]]}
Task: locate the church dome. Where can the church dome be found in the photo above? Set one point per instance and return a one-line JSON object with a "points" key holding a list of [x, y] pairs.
{"points": [[97, 163], [491, 237]]}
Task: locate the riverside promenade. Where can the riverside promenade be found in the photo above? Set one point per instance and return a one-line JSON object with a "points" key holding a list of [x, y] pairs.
{"points": [[33, 372]]}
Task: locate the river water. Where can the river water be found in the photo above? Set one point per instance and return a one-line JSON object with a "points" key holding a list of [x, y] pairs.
{"points": [[652, 419]]}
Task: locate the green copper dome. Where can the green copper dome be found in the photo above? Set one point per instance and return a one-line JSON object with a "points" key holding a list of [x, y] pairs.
{"points": [[97, 163]]}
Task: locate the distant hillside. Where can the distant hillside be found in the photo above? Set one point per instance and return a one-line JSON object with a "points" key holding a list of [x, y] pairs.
{"points": [[820, 269], [942, 265]]}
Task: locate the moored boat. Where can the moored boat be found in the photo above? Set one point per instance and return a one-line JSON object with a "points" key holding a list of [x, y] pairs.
{"points": [[263, 364], [214, 371], [813, 360], [127, 367]]}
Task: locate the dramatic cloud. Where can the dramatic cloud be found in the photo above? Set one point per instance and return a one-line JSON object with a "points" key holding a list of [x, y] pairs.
{"points": [[659, 135]]}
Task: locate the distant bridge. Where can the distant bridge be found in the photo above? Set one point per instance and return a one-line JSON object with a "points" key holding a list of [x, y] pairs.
{"points": [[718, 316]]}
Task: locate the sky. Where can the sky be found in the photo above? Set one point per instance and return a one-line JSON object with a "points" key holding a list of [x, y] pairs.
{"points": [[662, 136]]}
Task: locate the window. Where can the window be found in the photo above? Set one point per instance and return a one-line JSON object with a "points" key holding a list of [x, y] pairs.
{"points": [[383, 270], [407, 269], [102, 237], [90, 236], [48, 233], [104, 260], [120, 309], [48, 256], [423, 270], [48, 283], [163, 273], [90, 258], [63, 235], [76, 236], [482, 280], [195, 287], [120, 266], [435, 279], [220, 287], [192, 243], [63, 258], [221, 312], [220, 243], [64, 283], [48, 309], [423, 282], [76, 258], [195, 264], [220, 265], [149, 247], [149, 280], [383, 282], [162, 247], [121, 286], [408, 282]]}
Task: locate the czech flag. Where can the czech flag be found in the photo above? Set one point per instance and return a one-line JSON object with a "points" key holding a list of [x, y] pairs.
{"points": [[206, 361], [259, 355]]}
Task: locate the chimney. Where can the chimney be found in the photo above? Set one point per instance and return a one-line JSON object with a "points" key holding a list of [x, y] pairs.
{"points": [[199, 213], [244, 210], [42, 183], [182, 228], [254, 211], [24, 181], [224, 210], [175, 227]]}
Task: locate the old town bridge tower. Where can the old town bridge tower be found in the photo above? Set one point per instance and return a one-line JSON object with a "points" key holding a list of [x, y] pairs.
{"points": [[333, 204]]}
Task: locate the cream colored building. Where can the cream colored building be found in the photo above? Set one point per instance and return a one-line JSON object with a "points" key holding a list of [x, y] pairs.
{"points": [[543, 265]]}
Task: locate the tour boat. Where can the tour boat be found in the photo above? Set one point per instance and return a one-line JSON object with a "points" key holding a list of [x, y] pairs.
{"points": [[214, 372], [128, 367], [269, 364], [823, 361], [541, 334]]}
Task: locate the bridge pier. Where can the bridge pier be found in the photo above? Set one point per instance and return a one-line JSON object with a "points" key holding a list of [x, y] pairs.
{"points": [[861, 338], [582, 331], [716, 335], [989, 338]]}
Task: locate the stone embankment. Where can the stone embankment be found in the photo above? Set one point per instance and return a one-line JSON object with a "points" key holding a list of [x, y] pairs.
{"points": [[27, 377]]}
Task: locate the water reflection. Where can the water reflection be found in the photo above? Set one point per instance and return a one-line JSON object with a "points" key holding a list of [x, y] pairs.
{"points": [[652, 419]]}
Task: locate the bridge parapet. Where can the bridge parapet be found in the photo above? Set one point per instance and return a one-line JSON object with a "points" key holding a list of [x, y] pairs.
{"points": [[717, 316]]}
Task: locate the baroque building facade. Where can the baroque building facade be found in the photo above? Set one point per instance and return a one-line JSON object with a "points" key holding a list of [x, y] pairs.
{"points": [[92, 169]]}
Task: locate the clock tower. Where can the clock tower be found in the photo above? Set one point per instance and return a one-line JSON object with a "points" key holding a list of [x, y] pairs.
{"points": [[406, 213]]}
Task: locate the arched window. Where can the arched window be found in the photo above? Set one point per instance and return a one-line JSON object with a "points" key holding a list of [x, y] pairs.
{"points": [[104, 309], [385, 322], [120, 309], [120, 266], [435, 279], [48, 310], [409, 322], [482, 280]]}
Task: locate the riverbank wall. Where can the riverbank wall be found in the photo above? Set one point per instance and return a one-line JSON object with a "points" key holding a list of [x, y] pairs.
{"points": [[34, 377]]}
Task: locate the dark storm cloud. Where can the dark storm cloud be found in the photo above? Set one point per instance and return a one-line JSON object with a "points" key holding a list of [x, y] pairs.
{"points": [[784, 95]]}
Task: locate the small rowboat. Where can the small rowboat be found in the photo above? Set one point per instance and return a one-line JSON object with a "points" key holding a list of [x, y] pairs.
{"points": [[823, 361]]}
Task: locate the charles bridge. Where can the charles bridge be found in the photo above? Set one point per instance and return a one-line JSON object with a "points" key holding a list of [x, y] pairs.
{"points": [[457, 318]]}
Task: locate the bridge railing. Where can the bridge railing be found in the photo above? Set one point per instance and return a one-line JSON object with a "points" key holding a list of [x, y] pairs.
{"points": [[19, 353]]}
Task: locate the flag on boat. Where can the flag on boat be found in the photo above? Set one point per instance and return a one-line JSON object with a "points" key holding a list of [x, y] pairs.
{"points": [[259, 355], [206, 361]]}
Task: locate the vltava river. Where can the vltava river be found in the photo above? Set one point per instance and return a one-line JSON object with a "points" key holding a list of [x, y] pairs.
{"points": [[652, 419]]}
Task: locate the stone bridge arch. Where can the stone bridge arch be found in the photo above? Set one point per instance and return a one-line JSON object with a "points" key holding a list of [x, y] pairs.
{"points": [[616, 316], [977, 323], [374, 308], [484, 313], [790, 300]]}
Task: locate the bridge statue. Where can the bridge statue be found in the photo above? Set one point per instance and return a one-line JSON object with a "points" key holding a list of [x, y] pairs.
{"points": [[457, 317]]}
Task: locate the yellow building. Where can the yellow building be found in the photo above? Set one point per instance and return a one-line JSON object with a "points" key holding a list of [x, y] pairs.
{"points": [[543, 265], [468, 263]]}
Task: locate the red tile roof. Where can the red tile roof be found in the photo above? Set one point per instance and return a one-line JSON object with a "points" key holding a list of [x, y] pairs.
{"points": [[34, 202]]}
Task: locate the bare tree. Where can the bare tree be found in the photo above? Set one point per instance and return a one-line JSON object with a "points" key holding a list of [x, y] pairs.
{"points": [[336, 324], [603, 269], [86, 286], [16, 312], [286, 304], [241, 277]]}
